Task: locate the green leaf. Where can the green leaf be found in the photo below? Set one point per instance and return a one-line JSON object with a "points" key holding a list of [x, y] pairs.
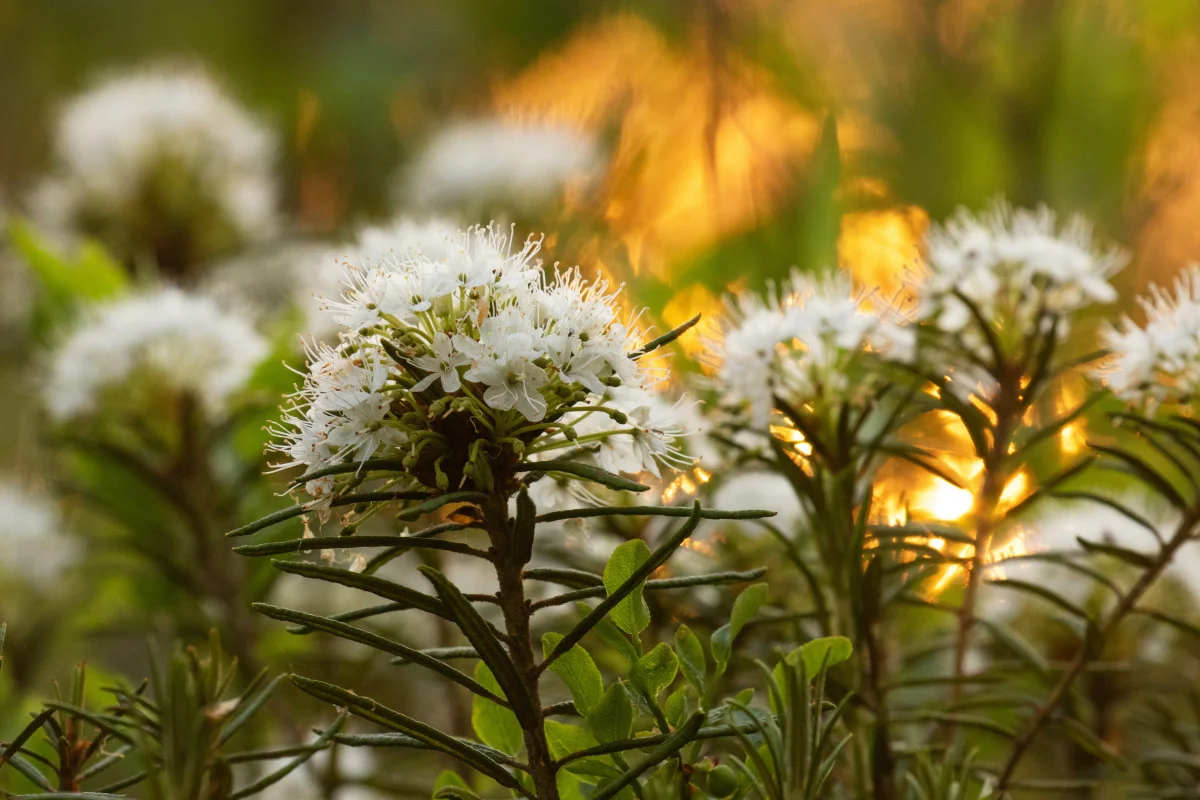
{"points": [[676, 707], [578, 671], [613, 637], [494, 724], [631, 615], [565, 739], [638, 578], [1139, 560], [482, 636], [448, 778], [374, 711], [665, 339], [744, 609], [673, 743], [612, 718], [587, 472], [824, 652], [90, 275], [380, 587], [372, 640], [654, 671], [691, 657]]}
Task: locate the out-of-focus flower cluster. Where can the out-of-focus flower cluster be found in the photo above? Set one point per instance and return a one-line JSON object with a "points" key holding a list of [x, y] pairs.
{"points": [[162, 161], [1007, 273], [810, 341], [160, 338], [1158, 362], [32, 538], [498, 161], [456, 353]]}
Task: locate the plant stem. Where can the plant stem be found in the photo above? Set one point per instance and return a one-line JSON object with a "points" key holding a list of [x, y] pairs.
{"points": [[1009, 407], [510, 564], [1127, 604]]}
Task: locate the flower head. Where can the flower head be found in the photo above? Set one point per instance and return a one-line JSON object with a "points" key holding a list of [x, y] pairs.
{"points": [[459, 358], [32, 539], [521, 164], [145, 155], [163, 338], [1017, 271], [1160, 361], [807, 342]]}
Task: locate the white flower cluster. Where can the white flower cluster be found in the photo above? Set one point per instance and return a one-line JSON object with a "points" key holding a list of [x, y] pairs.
{"points": [[459, 341], [32, 540], [522, 164], [1017, 268], [111, 140], [165, 337], [1160, 361], [807, 341]]}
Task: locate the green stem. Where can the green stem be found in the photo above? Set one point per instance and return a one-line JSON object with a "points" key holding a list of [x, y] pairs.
{"points": [[510, 561]]}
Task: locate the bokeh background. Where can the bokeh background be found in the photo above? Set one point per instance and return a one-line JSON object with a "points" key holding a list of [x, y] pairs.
{"points": [[739, 138]]}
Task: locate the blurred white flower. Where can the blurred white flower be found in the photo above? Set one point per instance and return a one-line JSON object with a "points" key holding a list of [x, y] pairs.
{"points": [[1160, 361], [168, 337], [806, 342], [493, 160], [1017, 269], [33, 543], [111, 142]]}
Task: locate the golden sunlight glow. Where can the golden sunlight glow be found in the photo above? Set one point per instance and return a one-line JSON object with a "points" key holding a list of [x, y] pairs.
{"points": [[942, 500], [687, 483], [705, 145], [879, 248]]}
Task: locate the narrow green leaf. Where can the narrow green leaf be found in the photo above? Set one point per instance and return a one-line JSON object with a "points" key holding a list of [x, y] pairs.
{"points": [[1042, 592], [380, 714], [410, 598], [301, 509], [273, 777], [665, 339], [481, 636], [578, 671], [354, 543], [1132, 557], [376, 642], [649, 511], [585, 471]]}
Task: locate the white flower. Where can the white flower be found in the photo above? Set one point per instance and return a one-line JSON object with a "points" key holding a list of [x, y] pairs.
{"points": [[524, 164], [458, 340], [33, 544], [1160, 361], [442, 365], [111, 140], [1015, 269], [805, 341], [166, 337]]}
